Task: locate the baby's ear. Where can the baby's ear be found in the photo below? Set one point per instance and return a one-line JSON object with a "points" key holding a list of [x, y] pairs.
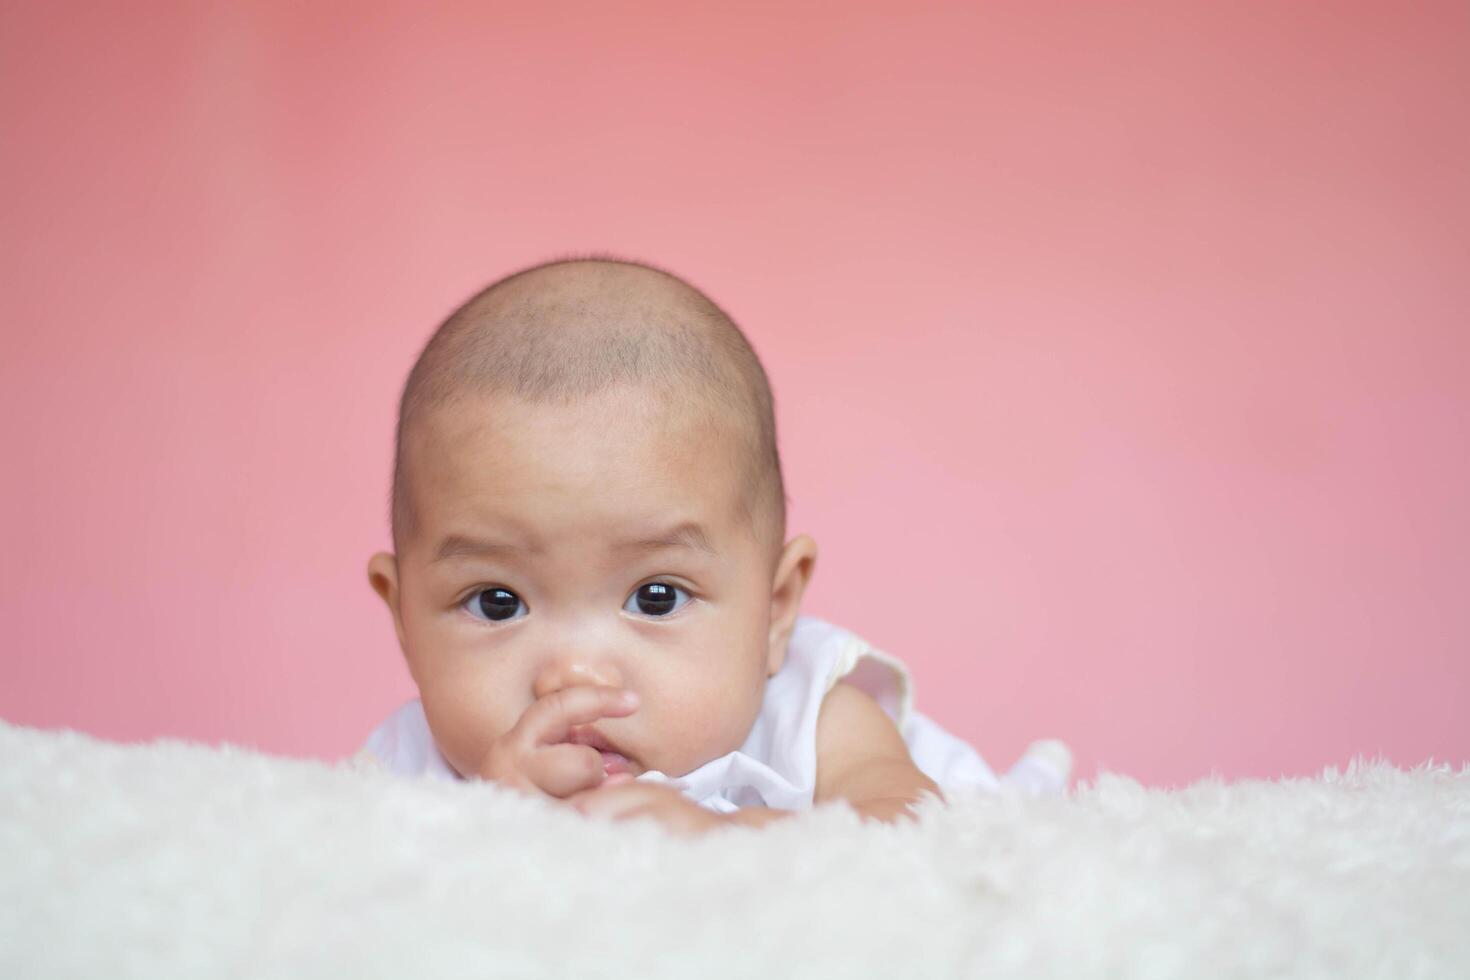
{"points": [[383, 577], [793, 572]]}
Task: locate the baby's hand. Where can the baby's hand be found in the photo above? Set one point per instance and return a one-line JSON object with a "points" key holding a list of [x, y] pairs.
{"points": [[533, 756], [627, 800]]}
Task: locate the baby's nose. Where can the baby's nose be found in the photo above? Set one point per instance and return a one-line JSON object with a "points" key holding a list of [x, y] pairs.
{"points": [[567, 671]]}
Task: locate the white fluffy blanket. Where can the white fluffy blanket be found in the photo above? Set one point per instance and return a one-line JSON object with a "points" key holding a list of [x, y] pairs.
{"points": [[179, 860]]}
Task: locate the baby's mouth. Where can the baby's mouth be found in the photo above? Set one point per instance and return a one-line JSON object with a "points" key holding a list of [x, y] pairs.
{"points": [[614, 760]]}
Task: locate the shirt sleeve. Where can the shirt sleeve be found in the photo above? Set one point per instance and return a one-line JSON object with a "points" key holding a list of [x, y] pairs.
{"points": [[949, 761], [881, 675]]}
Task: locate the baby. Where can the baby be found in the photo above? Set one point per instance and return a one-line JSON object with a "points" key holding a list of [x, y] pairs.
{"points": [[591, 581]]}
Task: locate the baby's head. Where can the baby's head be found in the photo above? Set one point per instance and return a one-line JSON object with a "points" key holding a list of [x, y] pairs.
{"points": [[587, 491]]}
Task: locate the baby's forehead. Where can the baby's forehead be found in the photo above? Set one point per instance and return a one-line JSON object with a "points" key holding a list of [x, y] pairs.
{"points": [[601, 521], [633, 438], [681, 418]]}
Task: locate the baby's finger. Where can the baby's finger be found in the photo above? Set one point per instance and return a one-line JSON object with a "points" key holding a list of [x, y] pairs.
{"points": [[608, 803], [551, 719], [561, 770]]}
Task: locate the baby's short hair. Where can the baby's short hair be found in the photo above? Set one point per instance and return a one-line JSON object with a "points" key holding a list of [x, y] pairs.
{"points": [[575, 326]]}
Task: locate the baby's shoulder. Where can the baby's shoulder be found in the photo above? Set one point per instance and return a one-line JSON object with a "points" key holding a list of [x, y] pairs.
{"points": [[825, 653]]}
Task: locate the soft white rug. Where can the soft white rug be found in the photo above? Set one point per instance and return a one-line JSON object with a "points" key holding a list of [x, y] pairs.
{"points": [[181, 860]]}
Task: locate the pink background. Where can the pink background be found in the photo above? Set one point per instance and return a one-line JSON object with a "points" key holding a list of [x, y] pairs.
{"points": [[1128, 347]]}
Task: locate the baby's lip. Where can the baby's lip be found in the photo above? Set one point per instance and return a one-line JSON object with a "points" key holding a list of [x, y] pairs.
{"points": [[590, 736]]}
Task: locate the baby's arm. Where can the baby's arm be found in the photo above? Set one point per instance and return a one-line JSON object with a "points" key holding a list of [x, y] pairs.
{"points": [[862, 758]]}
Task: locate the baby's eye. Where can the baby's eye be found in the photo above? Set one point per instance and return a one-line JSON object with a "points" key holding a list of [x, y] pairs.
{"points": [[656, 599], [494, 604]]}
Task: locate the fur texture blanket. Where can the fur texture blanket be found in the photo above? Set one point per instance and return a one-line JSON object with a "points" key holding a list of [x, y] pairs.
{"points": [[173, 859]]}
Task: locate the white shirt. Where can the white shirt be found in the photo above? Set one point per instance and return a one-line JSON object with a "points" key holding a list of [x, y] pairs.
{"points": [[777, 764]]}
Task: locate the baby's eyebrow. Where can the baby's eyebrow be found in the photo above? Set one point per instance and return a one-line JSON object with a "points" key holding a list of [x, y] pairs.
{"points": [[688, 534], [459, 546]]}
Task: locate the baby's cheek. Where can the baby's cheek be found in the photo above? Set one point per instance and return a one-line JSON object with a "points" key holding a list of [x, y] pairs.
{"points": [[705, 725], [464, 728]]}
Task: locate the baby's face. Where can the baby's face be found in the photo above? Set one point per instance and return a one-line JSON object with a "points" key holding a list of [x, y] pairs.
{"points": [[554, 547]]}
